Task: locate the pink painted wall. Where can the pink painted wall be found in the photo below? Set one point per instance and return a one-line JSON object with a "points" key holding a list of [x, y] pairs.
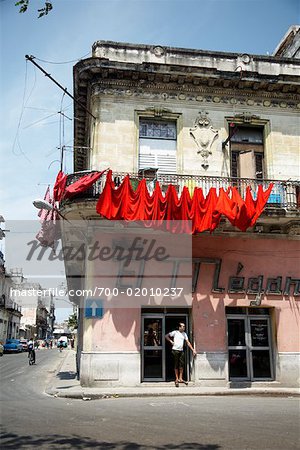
{"points": [[120, 328], [267, 257]]}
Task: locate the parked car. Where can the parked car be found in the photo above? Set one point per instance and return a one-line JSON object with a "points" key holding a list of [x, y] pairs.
{"points": [[1, 349], [24, 343], [13, 345]]}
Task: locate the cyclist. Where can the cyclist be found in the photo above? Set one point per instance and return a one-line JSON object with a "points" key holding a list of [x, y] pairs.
{"points": [[60, 345], [31, 351]]}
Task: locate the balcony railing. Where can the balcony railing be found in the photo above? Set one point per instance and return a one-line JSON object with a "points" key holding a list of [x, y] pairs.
{"points": [[284, 195], [13, 306]]}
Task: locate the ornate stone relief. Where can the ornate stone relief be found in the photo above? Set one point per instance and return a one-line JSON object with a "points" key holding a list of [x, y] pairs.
{"points": [[155, 91], [204, 135], [158, 112], [158, 50], [246, 117]]}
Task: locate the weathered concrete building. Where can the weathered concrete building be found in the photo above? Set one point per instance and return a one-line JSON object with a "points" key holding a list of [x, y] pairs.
{"points": [[197, 120], [10, 311]]}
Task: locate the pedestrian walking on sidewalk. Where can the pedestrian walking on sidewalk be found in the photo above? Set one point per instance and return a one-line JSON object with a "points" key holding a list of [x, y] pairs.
{"points": [[178, 338]]}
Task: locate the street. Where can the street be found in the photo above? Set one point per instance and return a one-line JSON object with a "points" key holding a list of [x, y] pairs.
{"points": [[31, 419]]}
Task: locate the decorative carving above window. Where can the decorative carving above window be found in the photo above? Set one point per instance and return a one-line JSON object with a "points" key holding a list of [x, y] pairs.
{"points": [[204, 135], [246, 117], [158, 112]]}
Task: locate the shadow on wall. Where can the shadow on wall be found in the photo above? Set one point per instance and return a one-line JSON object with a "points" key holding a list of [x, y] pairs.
{"points": [[210, 329], [124, 318], [124, 322]]}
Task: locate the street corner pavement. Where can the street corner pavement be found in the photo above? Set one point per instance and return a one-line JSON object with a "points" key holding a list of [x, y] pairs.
{"points": [[64, 383]]}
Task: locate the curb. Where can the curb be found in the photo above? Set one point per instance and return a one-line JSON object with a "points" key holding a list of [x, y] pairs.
{"points": [[82, 395]]}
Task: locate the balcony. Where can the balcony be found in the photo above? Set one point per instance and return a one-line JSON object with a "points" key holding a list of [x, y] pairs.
{"points": [[13, 307], [284, 198]]}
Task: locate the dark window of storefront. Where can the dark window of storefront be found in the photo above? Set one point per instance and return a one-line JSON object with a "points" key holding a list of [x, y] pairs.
{"points": [[249, 344]]}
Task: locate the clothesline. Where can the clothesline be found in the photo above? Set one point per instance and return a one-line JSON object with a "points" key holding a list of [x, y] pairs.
{"points": [[123, 203], [176, 212]]}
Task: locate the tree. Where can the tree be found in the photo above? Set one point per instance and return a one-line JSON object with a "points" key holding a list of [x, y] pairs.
{"points": [[73, 322], [23, 4]]}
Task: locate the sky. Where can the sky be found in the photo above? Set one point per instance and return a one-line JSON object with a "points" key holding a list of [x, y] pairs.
{"points": [[32, 129]]}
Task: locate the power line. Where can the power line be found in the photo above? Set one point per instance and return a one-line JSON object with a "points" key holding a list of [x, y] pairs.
{"points": [[31, 59], [16, 140], [39, 120], [63, 62]]}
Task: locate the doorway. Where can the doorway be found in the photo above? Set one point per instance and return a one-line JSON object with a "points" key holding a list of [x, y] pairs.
{"points": [[157, 360], [249, 344]]}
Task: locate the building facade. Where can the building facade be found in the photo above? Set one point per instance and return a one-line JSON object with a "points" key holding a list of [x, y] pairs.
{"points": [[10, 310], [38, 311], [193, 119], [37, 307]]}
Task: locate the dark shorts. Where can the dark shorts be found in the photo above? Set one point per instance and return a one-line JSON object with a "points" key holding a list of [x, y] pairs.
{"points": [[31, 352], [178, 359]]}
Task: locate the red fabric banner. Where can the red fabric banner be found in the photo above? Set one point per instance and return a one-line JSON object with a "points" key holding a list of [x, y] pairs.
{"points": [[81, 185], [123, 203], [61, 191], [50, 230], [59, 186]]}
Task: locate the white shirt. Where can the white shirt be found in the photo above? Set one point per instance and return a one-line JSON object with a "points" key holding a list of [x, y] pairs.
{"points": [[178, 337]]}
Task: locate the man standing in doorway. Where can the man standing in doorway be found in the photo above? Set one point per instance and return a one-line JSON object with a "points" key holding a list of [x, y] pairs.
{"points": [[177, 338]]}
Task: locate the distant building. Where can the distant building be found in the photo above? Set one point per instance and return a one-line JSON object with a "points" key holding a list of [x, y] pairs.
{"points": [[10, 310], [289, 46], [37, 306]]}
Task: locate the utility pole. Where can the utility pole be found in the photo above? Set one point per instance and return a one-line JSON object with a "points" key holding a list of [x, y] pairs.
{"points": [[31, 59]]}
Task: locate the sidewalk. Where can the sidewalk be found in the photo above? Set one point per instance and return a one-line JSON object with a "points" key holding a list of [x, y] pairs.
{"points": [[65, 384]]}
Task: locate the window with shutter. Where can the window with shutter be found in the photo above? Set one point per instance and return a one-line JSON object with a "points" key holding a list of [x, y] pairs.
{"points": [[259, 167], [247, 152], [157, 145], [234, 164]]}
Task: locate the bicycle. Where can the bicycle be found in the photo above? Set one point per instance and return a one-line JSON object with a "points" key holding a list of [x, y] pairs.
{"points": [[31, 357], [60, 346]]}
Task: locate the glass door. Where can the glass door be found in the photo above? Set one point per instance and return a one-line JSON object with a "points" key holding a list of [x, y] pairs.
{"points": [[157, 358], [249, 346], [260, 351], [237, 348], [153, 350], [171, 323]]}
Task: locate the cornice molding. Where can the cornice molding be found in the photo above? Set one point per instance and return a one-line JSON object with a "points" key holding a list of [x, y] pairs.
{"points": [[197, 94]]}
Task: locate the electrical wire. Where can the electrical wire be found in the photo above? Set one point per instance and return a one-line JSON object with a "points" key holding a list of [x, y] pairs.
{"points": [[21, 150], [16, 140], [62, 62], [48, 110], [61, 133], [40, 120], [40, 109], [54, 149]]}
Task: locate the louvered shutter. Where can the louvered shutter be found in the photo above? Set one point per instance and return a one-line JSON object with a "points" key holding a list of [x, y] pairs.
{"points": [[158, 146]]}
